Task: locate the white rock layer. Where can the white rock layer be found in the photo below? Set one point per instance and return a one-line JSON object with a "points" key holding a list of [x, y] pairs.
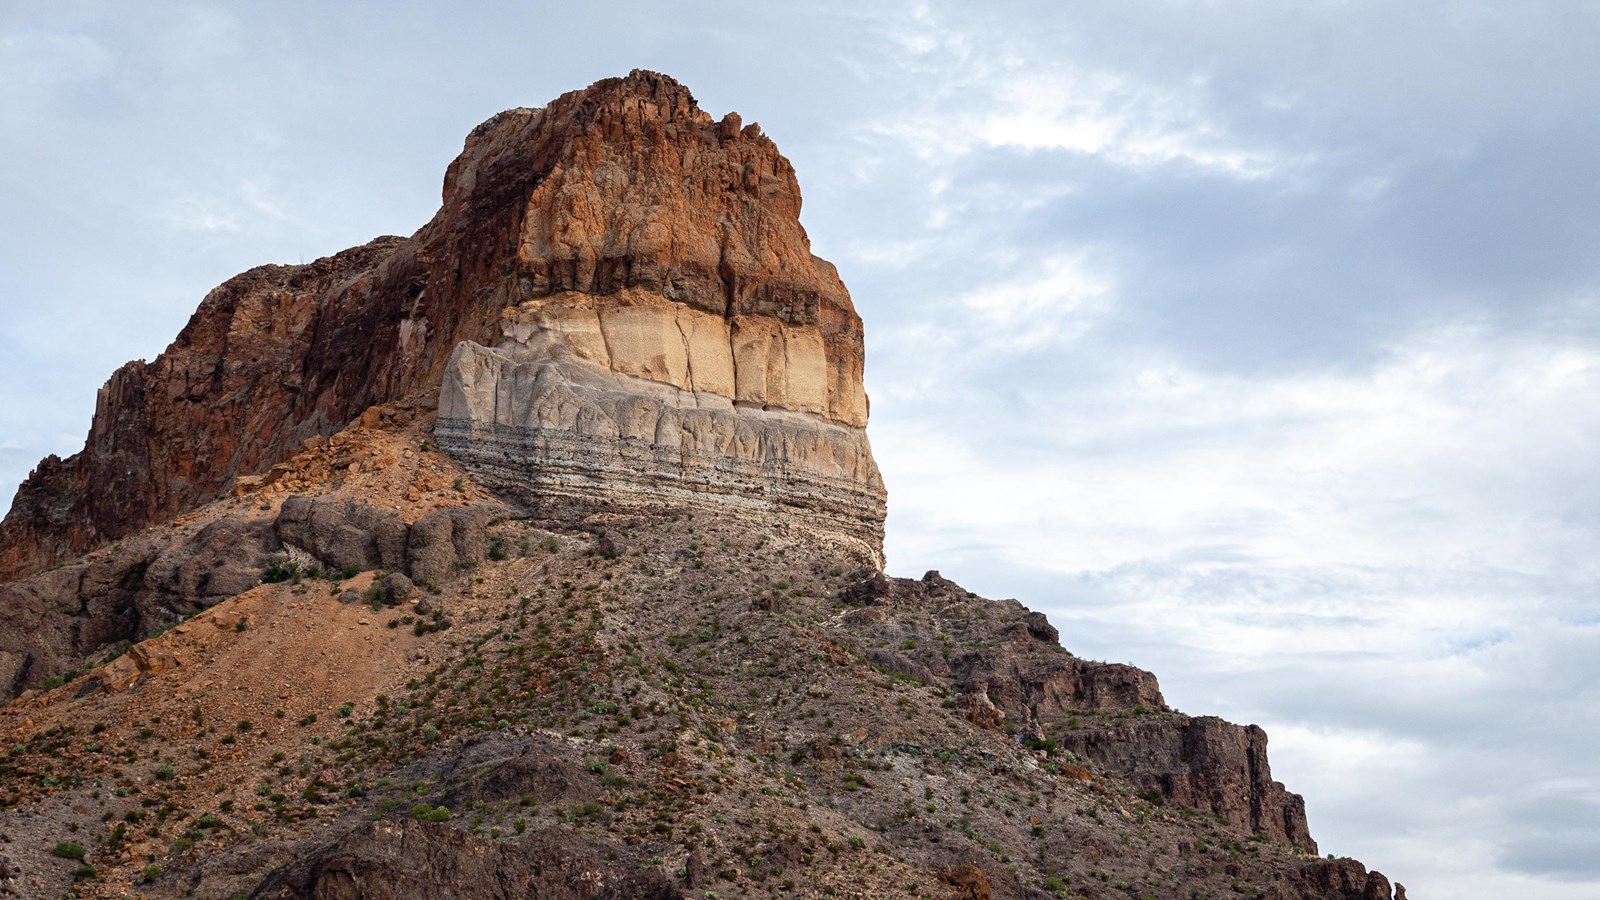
{"points": [[638, 401]]}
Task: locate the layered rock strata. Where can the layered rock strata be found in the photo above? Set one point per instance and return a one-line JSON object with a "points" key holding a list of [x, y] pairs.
{"points": [[634, 399], [625, 185]]}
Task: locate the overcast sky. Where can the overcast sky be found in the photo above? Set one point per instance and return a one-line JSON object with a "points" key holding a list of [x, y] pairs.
{"points": [[1256, 343]]}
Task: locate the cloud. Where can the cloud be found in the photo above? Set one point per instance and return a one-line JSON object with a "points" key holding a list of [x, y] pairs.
{"points": [[992, 93]]}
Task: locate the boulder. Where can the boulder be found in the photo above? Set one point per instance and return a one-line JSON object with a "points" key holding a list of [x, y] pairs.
{"points": [[343, 533]]}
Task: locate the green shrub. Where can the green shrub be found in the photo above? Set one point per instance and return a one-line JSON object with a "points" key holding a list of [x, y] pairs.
{"points": [[422, 812], [69, 850], [281, 571]]}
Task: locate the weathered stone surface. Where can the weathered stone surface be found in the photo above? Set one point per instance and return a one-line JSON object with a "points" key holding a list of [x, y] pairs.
{"points": [[56, 621], [446, 539], [403, 860], [251, 374], [50, 621], [1334, 879], [626, 185], [725, 369], [342, 533], [551, 417], [1205, 763], [398, 588]]}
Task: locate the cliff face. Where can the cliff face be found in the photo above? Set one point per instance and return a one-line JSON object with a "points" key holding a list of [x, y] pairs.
{"points": [[631, 399], [624, 188], [270, 357]]}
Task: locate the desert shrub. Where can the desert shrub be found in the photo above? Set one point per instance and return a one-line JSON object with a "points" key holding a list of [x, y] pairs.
{"points": [[283, 570]]}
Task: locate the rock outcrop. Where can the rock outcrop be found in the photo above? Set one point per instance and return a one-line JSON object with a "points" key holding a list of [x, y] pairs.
{"points": [[1203, 762], [563, 687], [634, 399], [1017, 677], [51, 621], [56, 622], [625, 191]]}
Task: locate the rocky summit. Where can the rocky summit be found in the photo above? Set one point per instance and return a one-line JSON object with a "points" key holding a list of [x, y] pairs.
{"points": [[643, 257], [540, 554]]}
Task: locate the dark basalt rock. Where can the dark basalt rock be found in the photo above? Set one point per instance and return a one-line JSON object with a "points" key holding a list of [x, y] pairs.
{"points": [[406, 860]]}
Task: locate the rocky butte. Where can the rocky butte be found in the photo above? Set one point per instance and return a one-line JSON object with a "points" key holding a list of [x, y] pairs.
{"points": [[539, 554]]}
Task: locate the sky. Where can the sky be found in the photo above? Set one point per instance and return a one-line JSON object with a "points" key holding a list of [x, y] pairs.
{"points": [[1257, 344]]}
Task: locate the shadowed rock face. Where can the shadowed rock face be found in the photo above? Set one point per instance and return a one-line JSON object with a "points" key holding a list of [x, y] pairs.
{"points": [[406, 860], [50, 621], [623, 188]]}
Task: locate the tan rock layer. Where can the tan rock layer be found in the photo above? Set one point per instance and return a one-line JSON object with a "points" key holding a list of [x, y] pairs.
{"points": [[755, 360], [626, 184]]}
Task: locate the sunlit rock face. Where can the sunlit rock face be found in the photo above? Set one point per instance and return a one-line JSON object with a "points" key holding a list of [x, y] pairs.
{"points": [[632, 400], [682, 229]]}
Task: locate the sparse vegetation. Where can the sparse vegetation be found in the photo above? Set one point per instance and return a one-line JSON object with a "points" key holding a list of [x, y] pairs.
{"points": [[283, 570]]}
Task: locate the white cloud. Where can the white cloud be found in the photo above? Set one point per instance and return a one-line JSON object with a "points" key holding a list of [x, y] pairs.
{"points": [[996, 94], [1054, 301]]}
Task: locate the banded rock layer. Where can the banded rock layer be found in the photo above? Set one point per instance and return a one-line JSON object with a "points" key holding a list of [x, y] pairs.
{"points": [[635, 399]]}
